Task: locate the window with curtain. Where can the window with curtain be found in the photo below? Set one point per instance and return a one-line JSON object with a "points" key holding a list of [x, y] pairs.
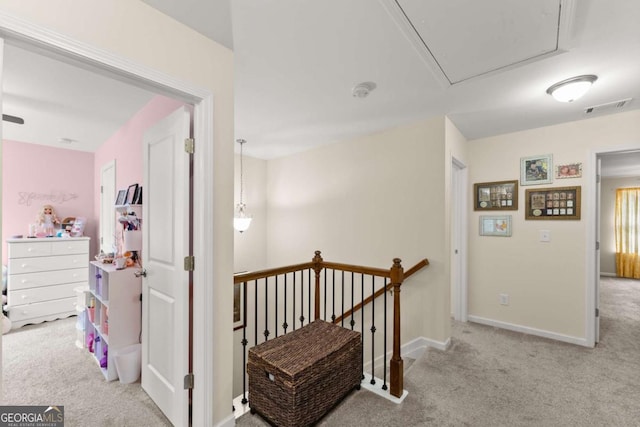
{"points": [[627, 224]]}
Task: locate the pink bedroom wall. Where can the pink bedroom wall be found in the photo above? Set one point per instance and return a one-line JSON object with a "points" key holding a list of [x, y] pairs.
{"points": [[34, 175], [125, 146]]}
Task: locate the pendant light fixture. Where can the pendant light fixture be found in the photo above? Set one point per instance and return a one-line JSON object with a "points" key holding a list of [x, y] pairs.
{"points": [[571, 89], [241, 221]]}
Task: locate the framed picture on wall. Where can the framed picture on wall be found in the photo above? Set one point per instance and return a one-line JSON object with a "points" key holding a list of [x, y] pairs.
{"points": [[495, 225], [571, 170], [495, 196], [239, 319], [553, 203], [536, 170]]}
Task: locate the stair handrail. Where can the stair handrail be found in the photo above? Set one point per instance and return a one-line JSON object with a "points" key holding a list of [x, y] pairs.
{"points": [[410, 272]]}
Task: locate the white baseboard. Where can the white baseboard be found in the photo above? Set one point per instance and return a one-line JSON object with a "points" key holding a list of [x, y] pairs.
{"points": [[608, 274], [230, 421], [530, 331], [413, 349]]}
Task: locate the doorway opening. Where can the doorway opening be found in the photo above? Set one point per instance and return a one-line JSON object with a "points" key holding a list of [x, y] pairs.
{"points": [[104, 63]]}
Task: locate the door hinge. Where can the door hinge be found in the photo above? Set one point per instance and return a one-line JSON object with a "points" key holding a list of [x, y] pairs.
{"points": [[189, 263], [101, 189], [597, 312], [188, 381], [598, 178], [597, 246], [189, 145]]}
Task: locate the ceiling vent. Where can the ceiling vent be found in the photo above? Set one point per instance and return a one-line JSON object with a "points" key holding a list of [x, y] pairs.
{"points": [[608, 107]]}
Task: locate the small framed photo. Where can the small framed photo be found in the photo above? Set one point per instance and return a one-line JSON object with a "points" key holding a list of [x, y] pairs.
{"points": [[536, 170], [571, 170], [121, 198], [495, 225], [495, 196], [552, 203], [131, 192], [137, 196]]}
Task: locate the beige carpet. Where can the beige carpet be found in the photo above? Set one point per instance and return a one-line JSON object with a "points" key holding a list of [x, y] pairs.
{"points": [[493, 377], [42, 366]]}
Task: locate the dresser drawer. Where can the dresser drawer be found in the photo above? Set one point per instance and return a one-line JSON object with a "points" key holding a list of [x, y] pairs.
{"points": [[69, 247], [46, 293], [29, 249], [34, 280], [41, 309], [33, 265]]}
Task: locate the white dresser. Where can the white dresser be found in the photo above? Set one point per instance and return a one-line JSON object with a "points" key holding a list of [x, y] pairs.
{"points": [[43, 274]]}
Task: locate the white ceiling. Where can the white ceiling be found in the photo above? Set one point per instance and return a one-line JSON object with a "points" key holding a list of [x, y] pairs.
{"points": [[486, 65]]}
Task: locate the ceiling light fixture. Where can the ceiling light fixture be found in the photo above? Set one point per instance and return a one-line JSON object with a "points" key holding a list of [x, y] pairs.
{"points": [[241, 221], [363, 89], [571, 89]]}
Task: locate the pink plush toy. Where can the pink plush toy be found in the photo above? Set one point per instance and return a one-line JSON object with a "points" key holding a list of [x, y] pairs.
{"points": [[90, 342]]}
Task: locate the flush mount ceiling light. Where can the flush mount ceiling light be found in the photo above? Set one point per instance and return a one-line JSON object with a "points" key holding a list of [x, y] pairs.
{"points": [[363, 89], [571, 89], [241, 220]]}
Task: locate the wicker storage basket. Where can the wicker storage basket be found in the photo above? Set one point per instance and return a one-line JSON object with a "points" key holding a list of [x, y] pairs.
{"points": [[297, 378]]}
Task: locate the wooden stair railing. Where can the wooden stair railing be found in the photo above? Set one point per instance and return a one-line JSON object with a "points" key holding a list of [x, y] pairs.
{"points": [[396, 276], [410, 272]]}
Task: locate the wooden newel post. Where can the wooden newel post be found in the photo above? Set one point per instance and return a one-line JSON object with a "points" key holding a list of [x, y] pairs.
{"points": [[397, 364], [317, 267]]}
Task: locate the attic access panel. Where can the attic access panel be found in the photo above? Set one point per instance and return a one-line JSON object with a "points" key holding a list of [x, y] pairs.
{"points": [[468, 38]]}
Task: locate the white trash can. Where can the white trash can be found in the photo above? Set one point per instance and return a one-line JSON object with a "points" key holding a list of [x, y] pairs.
{"points": [[128, 363]]}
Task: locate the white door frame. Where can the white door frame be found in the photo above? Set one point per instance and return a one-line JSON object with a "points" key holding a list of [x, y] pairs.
{"points": [[459, 228], [113, 65], [592, 274]]}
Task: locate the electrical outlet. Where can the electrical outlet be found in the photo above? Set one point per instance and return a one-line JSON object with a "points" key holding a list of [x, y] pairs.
{"points": [[504, 299], [545, 235]]}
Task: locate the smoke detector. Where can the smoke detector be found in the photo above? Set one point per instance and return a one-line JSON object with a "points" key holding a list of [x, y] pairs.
{"points": [[363, 89]]}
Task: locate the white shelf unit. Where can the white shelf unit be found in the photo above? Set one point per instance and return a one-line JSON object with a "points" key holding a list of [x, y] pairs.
{"points": [[117, 312]]}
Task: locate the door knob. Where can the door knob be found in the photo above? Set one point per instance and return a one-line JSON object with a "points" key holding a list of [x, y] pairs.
{"points": [[140, 273]]}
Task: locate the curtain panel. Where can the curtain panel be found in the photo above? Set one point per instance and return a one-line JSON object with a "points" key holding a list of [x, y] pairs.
{"points": [[627, 227]]}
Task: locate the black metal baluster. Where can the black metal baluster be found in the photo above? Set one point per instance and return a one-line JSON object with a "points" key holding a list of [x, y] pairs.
{"points": [[275, 314], [285, 325], [309, 289], [333, 296], [255, 314], [362, 318], [353, 284], [266, 309], [244, 343], [342, 300], [325, 294], [301, 296], [293, 311], [384, 358], [373, 328]]}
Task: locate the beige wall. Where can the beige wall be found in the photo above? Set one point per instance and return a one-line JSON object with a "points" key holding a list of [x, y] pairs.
{"points": [[133, 30], [607, 220], [365, 201], [546, 282]]}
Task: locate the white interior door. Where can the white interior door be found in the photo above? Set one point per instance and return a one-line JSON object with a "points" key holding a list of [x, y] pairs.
{"points": [[458, 241], [597, 260], [107, 213], [165, 289]]}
